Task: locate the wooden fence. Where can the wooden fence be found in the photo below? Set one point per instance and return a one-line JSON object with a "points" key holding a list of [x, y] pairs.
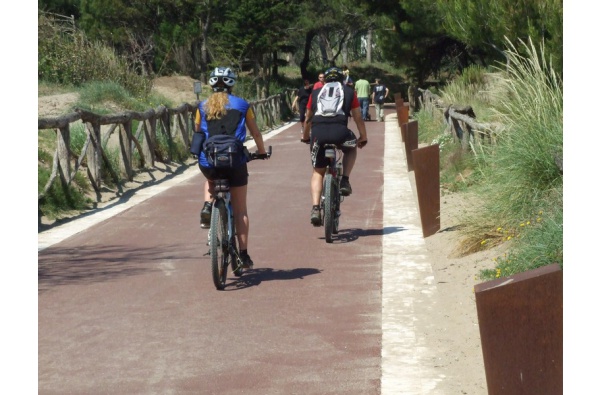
{"points": [[174, 124], [460, 119]]}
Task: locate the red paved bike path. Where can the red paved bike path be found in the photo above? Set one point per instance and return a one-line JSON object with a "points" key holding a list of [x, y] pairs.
{"points": [[128, 306]]}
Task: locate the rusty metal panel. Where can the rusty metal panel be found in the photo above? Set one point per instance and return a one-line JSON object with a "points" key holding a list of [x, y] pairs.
{"points": [[520, 322], [403, 128], [411, 142], [426, 162], [404, 111], [399, 104]]}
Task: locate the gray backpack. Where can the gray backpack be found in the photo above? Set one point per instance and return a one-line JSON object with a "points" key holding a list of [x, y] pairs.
{"points": [[330, 101]]}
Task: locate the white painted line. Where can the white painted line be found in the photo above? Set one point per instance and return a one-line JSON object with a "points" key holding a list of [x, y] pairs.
{"points": [[407, 280], [62, 232]]}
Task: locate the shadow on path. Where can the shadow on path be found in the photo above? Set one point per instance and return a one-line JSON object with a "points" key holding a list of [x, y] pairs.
{"points": [[253, 277], [353, 234]]}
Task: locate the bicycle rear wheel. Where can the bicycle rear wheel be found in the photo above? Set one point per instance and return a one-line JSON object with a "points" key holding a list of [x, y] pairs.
{"points": [[219, 253], [336, 207], [328, 207]]}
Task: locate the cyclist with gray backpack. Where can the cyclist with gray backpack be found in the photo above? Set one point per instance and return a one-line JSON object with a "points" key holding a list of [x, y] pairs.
{"points": [[326, 122], [220, 127]]}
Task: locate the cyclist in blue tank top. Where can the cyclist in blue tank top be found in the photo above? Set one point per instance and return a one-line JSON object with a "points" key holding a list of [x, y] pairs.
{"points": [[224, 113]]}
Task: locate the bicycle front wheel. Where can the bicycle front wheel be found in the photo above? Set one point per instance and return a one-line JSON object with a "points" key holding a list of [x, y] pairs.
{"points": [[219, 253], [328, 207], [336, 207]]}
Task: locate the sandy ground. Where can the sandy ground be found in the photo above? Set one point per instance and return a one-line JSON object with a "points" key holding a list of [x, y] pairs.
{"points": [[456, 330]]}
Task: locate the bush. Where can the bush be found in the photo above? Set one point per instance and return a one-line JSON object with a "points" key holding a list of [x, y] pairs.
{"points": [[65, 56]]}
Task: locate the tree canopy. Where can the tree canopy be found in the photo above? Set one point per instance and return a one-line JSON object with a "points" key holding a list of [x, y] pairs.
{"points": [[426, 37]]}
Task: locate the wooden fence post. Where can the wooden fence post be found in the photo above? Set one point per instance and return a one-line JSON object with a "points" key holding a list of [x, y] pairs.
{"points": [[94, 156], [126, 150], [63, 137]]}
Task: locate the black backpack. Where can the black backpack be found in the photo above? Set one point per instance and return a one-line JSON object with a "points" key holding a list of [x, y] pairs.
{"points": [[221, 148], [225, 151]]}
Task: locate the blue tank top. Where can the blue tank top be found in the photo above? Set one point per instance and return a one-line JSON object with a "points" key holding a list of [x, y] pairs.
{"points": [[233, 123]]}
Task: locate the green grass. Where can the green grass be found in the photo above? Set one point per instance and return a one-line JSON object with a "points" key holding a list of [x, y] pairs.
{"points": [[518, 179]]}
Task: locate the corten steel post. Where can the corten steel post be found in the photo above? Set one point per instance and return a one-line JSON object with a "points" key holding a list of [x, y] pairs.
{"points": [[520, 323], [399, 103], [404, 113], [411, 142], [426, 162]]}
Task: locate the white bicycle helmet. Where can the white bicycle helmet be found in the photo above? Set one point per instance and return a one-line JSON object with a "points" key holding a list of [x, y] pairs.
{"points": [[222, 78]]}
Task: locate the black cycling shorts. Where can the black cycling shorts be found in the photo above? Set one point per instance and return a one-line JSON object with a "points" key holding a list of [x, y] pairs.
{"points": [[329, 134], [237, 176], [302, 111]]}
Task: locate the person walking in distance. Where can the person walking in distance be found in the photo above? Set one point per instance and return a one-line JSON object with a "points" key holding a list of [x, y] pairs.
{"points": [[363, 90], [380, 93], [225, 114], [320, 82], [329, 124], [301, 100], [346, 72]]}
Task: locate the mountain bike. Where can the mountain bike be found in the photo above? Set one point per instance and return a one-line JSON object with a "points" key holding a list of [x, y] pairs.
{"points": [[221, 234], [331, 198]]}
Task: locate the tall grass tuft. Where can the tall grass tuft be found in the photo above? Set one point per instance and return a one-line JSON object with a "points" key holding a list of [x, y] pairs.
{"points": [[523, 171]]}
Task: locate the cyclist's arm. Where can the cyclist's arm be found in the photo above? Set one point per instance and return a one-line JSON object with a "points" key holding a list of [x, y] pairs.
{"points": [[197, 121], [254, 131], [307, 124], [308, 119]]}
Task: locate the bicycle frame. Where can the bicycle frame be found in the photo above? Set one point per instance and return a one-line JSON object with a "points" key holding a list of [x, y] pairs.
{"points": [[222, 232], [222, 193], [331, 198]]}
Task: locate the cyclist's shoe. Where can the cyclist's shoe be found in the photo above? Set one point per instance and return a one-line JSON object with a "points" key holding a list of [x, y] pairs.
{"points": [[345, 188], [246, 261], [205, 215], [315, 216]]}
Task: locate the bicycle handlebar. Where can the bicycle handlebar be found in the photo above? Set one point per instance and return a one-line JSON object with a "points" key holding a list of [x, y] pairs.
{"points": [[256, 155]]}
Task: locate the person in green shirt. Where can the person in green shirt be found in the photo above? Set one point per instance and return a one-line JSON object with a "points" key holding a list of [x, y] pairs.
{"points": [[363, 90]]}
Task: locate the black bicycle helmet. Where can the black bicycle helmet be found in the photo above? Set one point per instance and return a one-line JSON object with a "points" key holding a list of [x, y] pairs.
{"points": [[221, 79], [334, 74]]}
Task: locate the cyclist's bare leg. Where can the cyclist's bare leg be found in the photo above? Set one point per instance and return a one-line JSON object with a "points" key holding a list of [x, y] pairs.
{"points": [[348, 161], [240, 215], [316, 185], [209, 188]]}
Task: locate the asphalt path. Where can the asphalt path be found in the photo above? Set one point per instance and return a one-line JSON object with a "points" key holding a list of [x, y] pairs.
{"points": [[126, 303]]}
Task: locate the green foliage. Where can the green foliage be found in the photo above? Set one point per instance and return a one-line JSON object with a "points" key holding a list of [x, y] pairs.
{"points": [[521, 169], [471, 87], [78, 137], [456, 165], [484, 25], [59, 199], [538, 242], [518, 179], [65, 56], [105, 97]]}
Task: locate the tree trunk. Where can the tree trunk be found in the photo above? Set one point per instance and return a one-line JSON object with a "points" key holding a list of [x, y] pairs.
{"points": [[203, 49], [369, 45], [306, 58]]}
